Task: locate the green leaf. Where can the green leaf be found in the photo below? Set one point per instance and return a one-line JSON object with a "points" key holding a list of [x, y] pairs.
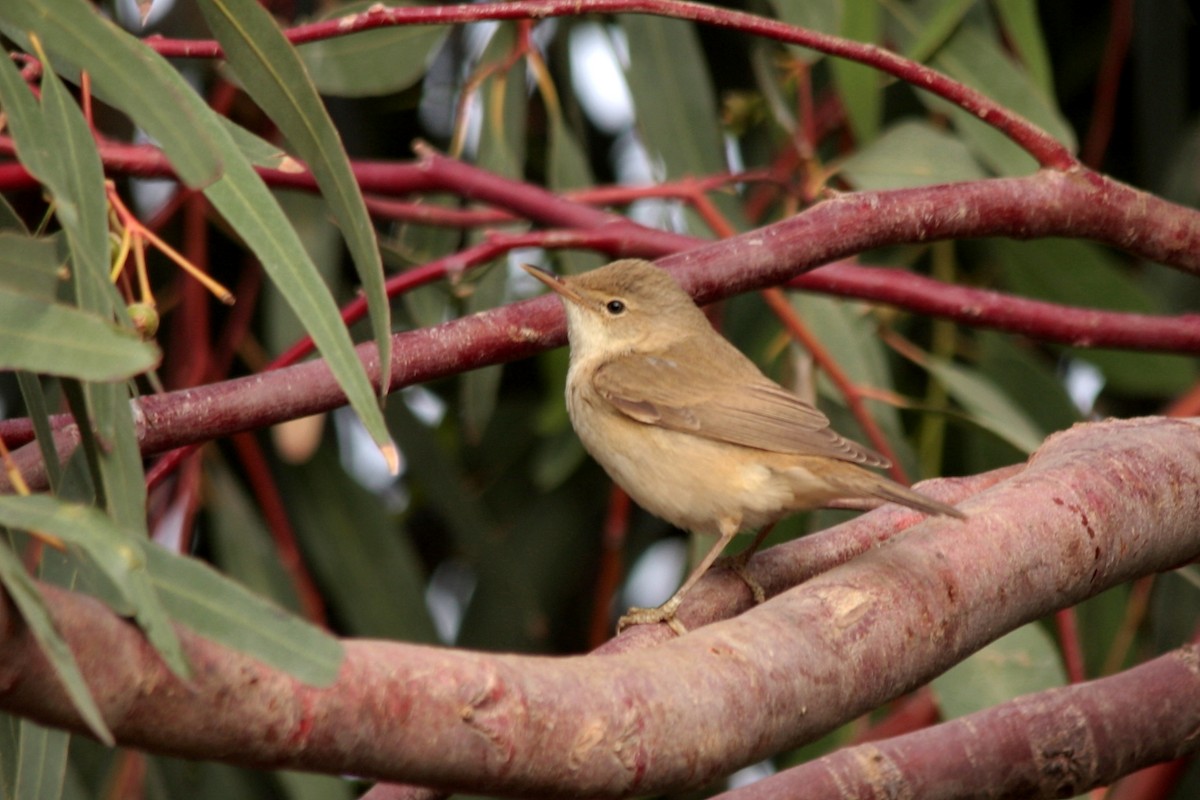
{"points": [[55, 144], [986, 404], [1028, 379], [479, 387], [1023, 29], [349, 66], [76, 179], [258, 151], [1084, 274], [567, 163], [859, 85], [347, 530], [505, 111], [822, 16], [437, 472], [55, 339], [124, 73], [29, 601], [8, 754], [219, 609], [673, 95], [119, 555], [30, 264], [242, 546], [10, 220], [127, 74], [1019, 663], [309, 786], [38, 410], [271, 71], [309, 216], [979, 60], [911, 153], [933, 30], [676, 110], [41, 761], [244, 201]]}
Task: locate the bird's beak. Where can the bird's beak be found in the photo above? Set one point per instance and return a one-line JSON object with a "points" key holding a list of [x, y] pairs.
{"points": [[556, 284]]}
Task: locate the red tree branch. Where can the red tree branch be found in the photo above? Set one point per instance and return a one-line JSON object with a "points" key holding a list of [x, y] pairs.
{"points": [[1044, 148], [1096, 506], [1056, 743], [1078, 203]]}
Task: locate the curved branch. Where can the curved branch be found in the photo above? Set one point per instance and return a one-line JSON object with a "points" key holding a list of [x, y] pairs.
{"points": [[1044, 148], [1057, 743], [1044, 204], [1091, 510]]}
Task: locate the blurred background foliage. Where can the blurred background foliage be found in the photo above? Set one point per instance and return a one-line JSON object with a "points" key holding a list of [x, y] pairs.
{"points": [[498, 533]]}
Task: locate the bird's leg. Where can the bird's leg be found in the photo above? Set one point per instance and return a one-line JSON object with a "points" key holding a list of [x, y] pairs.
{"points": [[738, 563], [666, 612]]}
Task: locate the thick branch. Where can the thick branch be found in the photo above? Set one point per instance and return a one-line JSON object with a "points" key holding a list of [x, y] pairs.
{"points": [[1044, 204], [1057, 743], [1096, 506]]}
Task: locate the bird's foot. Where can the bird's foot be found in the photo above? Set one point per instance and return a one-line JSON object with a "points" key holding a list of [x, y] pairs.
{"points": [[648, 616], [738, 565]]}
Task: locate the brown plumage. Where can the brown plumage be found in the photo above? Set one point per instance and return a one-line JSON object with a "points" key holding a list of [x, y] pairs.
{"points": [[689, 426]]}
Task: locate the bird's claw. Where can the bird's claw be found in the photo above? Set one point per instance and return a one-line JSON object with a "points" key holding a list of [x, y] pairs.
{"points": [[649, 616]]}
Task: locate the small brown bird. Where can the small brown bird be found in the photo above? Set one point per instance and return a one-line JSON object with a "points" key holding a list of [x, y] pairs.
{"points": [[689, 426]]}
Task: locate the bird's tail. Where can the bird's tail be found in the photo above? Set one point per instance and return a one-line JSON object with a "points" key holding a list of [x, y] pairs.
{"points": [[860, 482], [896, 493]]}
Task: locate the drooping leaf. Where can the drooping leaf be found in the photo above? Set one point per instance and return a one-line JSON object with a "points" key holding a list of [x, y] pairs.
{"points": [[934, 28], [239, 194], [242, 546], [912, 153], [1019, 663], [673, 95], [1023, 29], [480, 386], [118, 553], [41, 761], [858, 85], [272, 72], [38, 410], [676, 111], [346, 530], [853, 343], [29, 601], [56, 339], [822, 16], [125, 73], [979, 61], [76, 179], [349, 66], [219, 609], [986, 404], [30, 264]]}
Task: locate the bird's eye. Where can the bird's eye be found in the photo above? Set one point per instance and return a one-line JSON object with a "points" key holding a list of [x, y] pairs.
{"points": [[615, 307]]}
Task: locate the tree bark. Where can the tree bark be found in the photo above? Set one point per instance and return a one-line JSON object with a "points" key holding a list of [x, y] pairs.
{"points": [[1095, 506]]}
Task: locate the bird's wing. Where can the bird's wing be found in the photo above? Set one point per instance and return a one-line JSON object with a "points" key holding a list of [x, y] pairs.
{"points": [[735, 403]]}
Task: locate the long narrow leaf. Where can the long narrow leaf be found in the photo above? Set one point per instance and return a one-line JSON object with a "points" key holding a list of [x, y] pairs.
{"points": [[239, 194], [124, 72], [41, 761], [24, 593], [120, 555], [55, 339], [272, 72], [219, 609]]}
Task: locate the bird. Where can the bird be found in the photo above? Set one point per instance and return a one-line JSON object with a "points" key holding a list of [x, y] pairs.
{"points": [[690, 427]]}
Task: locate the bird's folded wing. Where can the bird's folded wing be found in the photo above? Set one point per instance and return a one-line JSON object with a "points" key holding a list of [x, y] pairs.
{"points": [[741, 406]]}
